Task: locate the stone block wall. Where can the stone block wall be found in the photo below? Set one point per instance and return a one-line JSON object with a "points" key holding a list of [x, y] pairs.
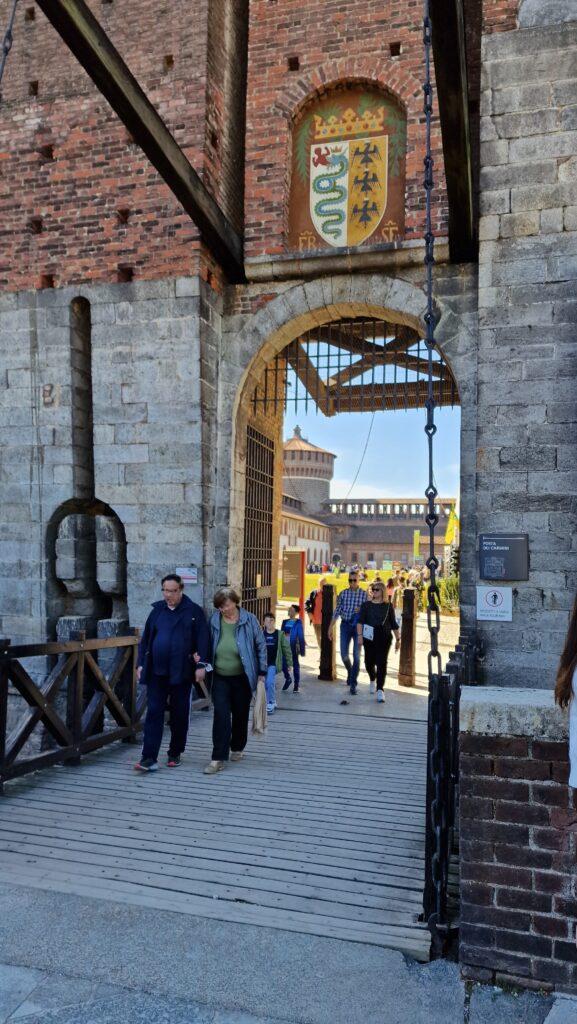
{"points": [[147, 379], [526, 480], [518, 832]]}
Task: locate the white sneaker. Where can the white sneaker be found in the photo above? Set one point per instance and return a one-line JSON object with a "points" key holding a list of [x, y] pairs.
{"points": [[270, 708], [380, 697], [372, 686]]}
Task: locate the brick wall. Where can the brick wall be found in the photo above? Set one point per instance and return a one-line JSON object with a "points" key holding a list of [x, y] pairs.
{"points": [[333, 42], [500, 15], [96, 171], [518, 836]]}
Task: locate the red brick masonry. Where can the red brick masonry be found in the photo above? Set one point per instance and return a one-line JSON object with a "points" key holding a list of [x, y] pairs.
{"points": [[518, 863]]}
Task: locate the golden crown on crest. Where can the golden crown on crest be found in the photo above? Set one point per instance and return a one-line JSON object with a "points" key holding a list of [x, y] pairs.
{"points": [[349, 124]]}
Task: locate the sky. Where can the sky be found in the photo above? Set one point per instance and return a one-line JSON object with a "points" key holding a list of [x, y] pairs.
{"points": [[395, 464]]}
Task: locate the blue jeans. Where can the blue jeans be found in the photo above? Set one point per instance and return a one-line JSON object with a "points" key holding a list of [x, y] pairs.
{"points": [[348, 633], [270, 684], [296, 667]]}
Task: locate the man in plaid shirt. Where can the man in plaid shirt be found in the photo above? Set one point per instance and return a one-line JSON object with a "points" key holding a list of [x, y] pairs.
{"points": [[348, 606]]}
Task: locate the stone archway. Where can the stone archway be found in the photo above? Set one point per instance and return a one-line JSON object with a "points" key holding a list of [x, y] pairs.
{"points": [[246, 353]]}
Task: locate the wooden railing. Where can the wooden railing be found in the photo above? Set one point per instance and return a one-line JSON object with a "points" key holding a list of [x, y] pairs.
{"points": [[67, 708], [66, 712]]}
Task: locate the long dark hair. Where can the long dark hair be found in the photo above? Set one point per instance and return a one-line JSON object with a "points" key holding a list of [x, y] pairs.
{"points": [[567, 664]]}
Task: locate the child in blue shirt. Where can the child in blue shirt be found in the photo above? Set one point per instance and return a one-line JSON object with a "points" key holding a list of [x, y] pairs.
{"points": [[277, 652], [293, 630]]}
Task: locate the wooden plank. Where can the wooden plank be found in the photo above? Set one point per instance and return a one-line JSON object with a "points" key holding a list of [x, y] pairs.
{"points": [[200, 834], [35, 698], [450, 58], [27, 723], [288, 839], [66, 647], [255, 884], [414, 941]]}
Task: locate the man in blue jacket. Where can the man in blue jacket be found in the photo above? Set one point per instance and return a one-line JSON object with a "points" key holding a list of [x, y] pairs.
{"points": [[175, 633]]}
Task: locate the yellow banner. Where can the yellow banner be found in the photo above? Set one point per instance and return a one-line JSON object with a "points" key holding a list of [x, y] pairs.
{"points": [[416, 543], [452, 526]]}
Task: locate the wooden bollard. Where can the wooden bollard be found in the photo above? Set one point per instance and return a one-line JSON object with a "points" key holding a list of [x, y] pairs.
{"points": [[328, 666], [408, 639]]}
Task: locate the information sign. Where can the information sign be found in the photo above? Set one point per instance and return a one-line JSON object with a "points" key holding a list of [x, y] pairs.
{"points": [[495, 604], [188, 574], [292, 562], [504, 556]]}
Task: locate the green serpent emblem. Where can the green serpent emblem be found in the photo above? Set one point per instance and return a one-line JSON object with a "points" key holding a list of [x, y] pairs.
{"points": [[333, 194]]}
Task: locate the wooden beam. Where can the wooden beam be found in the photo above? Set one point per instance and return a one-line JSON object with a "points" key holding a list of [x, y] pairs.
{"points": [[390, 396], [87, 40], [306, 372], [453, 101], [365, 365]]}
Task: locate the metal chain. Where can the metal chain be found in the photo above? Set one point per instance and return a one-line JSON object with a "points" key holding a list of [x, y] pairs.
{"points": [[431, 493], [436, 867], [8, 39]]}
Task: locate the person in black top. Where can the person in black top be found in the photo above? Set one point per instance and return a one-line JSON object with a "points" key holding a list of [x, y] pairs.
{"points": [[376, 625]]}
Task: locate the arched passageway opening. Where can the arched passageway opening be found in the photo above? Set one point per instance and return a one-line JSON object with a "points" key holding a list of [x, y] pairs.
{"points": [[345, 367]]}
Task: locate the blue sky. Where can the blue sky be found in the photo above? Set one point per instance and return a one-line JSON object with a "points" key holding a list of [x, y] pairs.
{"points": [[395, 464]]}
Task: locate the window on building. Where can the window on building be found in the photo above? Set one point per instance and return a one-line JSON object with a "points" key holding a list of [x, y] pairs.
{"points": [[354, 557]]}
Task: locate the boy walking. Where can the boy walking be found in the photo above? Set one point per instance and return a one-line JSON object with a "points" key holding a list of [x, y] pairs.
{"points": [[277, 647], [294, 632]]}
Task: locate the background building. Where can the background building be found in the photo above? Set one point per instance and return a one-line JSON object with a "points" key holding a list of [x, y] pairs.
{"points": [[301, 531], [365, 530]]}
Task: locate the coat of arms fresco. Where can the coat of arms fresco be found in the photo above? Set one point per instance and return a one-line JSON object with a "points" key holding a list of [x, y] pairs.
{"points": [[348, 175]]}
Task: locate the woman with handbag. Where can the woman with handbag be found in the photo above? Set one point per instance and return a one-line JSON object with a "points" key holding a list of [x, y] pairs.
{"points": [[239, 659], [375, 627]]}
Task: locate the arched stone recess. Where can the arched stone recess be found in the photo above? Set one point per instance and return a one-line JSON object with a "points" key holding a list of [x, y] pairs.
{"points": [[86, 570], [268, 331]]}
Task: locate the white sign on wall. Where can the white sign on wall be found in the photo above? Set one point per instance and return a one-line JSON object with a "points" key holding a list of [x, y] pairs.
{"points": [[188, 573], [495, 604]]}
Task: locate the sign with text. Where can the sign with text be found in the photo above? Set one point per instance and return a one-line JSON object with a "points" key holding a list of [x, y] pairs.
{"points": [[189, 574], [494, 604], [293, 563], [293, 577], [504, 556]]}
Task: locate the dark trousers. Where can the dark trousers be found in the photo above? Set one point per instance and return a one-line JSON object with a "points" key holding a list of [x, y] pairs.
{"points": [[296, 667], [376, 655], [159, 693], [231, 697]]}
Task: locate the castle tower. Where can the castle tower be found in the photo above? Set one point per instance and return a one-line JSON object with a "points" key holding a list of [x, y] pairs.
{"points": [[307, 472]]}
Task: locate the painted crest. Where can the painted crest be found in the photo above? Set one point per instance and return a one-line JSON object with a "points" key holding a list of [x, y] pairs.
{"points": [[349, 159]]}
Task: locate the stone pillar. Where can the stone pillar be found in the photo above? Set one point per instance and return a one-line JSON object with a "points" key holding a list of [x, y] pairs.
{"points": [[518, 828]]}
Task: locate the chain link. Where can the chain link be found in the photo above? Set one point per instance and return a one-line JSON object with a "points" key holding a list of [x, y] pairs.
{"points": [[8, 40]]}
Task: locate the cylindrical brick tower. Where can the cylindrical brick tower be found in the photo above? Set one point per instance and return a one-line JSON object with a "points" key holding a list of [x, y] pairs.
{"points": [[307, 472]]}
